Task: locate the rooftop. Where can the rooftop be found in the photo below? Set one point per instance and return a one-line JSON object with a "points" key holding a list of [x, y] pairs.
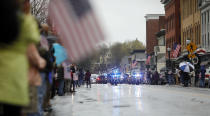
{"points": [[153, 16]]}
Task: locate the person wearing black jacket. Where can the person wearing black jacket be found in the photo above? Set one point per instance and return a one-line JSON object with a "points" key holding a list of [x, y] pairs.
{"points": [[60, 78], [81, 77]]}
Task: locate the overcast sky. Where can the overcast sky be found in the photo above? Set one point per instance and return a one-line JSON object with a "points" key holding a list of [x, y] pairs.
{"points": [[124, 19]]}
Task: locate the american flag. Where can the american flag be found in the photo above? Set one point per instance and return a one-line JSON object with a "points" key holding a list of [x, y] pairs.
{"points": [[77, 27], [134, 63], [148, 60], [176, 51]]}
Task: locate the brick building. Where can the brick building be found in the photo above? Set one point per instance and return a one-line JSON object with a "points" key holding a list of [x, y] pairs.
{"points": [[204, 6], [190, 22], [172, 17], [152, 27], [154, 23]]}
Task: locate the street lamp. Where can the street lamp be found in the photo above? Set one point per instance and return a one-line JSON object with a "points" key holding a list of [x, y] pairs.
{"points": [[169, 50]]}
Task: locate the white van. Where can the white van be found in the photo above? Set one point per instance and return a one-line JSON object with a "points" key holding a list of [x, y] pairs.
{"points": [[93, 78]]}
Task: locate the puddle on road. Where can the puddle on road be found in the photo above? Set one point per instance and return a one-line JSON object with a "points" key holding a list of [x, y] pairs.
{"points": [[196, 100], [121, 106], [81, 102]]}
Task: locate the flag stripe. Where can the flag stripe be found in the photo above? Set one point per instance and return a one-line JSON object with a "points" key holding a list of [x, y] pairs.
{"points": [[95, 29], [63, 28], [134, 64], [176, 51], [148, 60], [79, 33], [88, 35], [98, 28], [76, 35], [90, 23], [59, 22]]}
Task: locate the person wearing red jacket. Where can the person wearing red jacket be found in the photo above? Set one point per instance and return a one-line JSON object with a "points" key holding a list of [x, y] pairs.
{"points": [[87, 78]]}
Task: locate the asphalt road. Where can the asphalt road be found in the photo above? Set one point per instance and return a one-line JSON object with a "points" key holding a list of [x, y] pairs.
{"points": [[133, 100]]}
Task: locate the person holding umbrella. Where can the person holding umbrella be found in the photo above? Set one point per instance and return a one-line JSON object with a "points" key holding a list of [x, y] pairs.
{"points": [[186, 67]]}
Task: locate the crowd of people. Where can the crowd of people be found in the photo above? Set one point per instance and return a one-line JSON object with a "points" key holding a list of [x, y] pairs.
{"points": [[179, 77], [68, 77], [29, 75]]}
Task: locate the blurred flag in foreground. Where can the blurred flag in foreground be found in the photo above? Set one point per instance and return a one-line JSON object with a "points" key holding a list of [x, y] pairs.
{"points": [[77, 27]]}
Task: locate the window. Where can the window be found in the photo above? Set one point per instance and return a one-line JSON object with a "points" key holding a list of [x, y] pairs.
{"points": [[199, 31], [204, 18], [205, 41], [196, 5], [208, 40], [208, 16]]}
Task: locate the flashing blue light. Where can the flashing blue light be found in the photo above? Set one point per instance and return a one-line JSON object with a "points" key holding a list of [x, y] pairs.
{"points": [[137, 75]]}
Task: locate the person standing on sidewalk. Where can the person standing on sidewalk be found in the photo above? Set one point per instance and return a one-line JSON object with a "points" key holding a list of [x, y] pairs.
{"points": [[197, 71], [60, 77], [177, 76], [202, 79], [148, 77], [156, 77], [170, 78], [20, 31], [81, 77], [76, 78], [186, 78], [72, 83], [87, 78]]}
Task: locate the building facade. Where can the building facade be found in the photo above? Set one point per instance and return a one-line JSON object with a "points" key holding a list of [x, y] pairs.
{"points": [[140, 57], [190, 22], [152, 27], [172, 17], [204, 6], [160, 50]]}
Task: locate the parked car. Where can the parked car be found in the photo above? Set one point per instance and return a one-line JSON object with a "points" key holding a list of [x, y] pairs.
{"points": [[93, 78], [101, 79]]}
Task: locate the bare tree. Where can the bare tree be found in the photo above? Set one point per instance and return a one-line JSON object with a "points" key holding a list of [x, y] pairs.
{"points": [[39, 8]]}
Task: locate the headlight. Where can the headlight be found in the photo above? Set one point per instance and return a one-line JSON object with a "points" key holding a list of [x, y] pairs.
{"points": [[138, 75]]}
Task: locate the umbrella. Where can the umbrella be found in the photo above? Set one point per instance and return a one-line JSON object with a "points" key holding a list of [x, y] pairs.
{"points": [[200, 51], [186, 66], [60, 53], [51, 39]]}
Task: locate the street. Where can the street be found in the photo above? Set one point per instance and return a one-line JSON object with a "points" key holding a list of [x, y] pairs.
{"points": [[133, 100]]}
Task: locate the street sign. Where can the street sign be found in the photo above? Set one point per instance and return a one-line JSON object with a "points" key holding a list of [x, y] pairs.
{"points": [[191, 47], [191, 55]]}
